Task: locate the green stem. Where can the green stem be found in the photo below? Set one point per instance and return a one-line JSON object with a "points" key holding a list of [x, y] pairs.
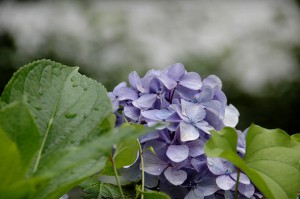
{"points": [[237, 184], [117, 177], [143, 173]]}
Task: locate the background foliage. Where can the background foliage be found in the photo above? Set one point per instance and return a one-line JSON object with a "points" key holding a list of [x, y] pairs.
{"points": [[108, 46]]}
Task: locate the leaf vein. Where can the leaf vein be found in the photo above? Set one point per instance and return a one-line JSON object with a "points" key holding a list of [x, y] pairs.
{"points": [[49, 125]]}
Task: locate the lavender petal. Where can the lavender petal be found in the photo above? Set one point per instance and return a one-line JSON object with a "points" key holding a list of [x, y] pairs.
{"points": [[231, 117], [145, 102], [196, 148], [152, 164], [132, 112], [188, 132], [177, 153], [246, 190], [194, 193], [191, 80], [225, 182], [175, 176], [126, 93]]}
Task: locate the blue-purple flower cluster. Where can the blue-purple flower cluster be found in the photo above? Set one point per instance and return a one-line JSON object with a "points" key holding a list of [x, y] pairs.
{"points": [[184, 109]]}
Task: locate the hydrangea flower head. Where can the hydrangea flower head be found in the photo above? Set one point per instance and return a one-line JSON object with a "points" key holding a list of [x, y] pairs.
{"points": [[186, 109]]}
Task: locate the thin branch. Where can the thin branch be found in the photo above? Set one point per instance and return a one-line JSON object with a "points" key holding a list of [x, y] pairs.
{"points": [[237, 184], [117, 177], [142, 167]]}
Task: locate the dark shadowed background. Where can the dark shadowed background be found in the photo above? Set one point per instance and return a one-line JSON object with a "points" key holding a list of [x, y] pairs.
{"points": [[253, 46]]}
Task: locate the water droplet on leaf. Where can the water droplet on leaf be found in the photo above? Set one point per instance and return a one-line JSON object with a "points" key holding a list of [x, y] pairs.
{"points": [[70, 115], [38, 108], [84, 85], [56, 71], [73, 78], [75, 84]]}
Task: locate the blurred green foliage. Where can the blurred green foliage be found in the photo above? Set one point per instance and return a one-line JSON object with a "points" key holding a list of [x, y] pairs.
{"points": [[7, 52]]}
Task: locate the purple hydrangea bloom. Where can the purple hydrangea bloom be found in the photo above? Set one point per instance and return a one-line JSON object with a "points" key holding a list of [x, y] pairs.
{"points": [[227, 176], [184, 109], [176, 75]]}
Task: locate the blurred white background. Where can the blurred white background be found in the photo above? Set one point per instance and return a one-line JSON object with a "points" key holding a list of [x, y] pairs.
{"points": [[253, 46]]}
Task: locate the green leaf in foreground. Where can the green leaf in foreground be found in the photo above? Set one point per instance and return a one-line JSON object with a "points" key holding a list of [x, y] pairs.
{"points": [[98, 190], [10, 161], [19, 141], [152, 194], [72, 113], [272, 159], [18, 123], [155, 195]]}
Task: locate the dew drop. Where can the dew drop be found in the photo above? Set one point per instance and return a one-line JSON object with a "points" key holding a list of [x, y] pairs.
{"points": [[75, 84], [70, 115], [56, 71], [38, 108], [210, 163], [73, 78], [84, 85]]}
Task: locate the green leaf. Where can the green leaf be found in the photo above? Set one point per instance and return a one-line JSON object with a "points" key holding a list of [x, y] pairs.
{"points": [[152, 194], [126, 153], [11, 168], [17, 122], [96, 190], [296, 138], [19, 141], [108, 169], [2, 104], [70, 111], [272, 159], [155, 195]]}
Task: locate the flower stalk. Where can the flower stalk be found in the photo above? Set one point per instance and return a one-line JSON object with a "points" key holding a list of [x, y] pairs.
{"points": [[237, 184], [117, 177], [142, 169]]}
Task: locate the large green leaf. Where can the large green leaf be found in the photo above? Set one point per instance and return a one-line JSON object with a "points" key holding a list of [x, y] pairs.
{"points": [[18, 123], [19, 141], [11, 170], [272, 159], [70, 111]]}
